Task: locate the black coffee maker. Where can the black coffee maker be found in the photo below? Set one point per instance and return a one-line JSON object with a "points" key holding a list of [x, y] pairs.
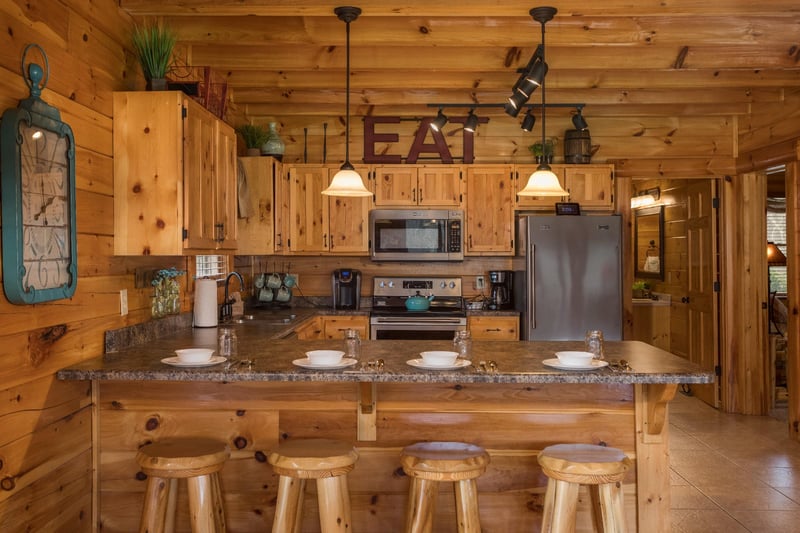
{"points": [[502, 295], [346, 288]]}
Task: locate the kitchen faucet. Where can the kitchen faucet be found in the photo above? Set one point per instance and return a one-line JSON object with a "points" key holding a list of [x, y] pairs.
{"points": [[226, 309]]}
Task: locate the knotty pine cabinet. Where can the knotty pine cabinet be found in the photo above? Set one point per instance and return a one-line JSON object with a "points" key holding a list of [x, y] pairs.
{"points": [[592, 186], [413, 185], [256, 233], [323, 224], [333, 327], [494, 328], [489, 210], [174, 176]]}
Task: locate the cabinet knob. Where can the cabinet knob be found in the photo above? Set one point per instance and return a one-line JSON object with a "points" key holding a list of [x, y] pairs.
{"points": [[685, 299]]}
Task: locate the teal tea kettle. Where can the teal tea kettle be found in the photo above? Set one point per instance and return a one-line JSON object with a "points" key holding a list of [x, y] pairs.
{"points": [[418, 302]]}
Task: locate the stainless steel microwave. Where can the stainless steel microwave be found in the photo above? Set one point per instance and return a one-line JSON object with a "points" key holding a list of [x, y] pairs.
{"points": [[416, 235]]}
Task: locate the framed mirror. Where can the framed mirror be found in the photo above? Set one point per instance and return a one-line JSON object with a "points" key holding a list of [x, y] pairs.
{"points": [[648, 242]]}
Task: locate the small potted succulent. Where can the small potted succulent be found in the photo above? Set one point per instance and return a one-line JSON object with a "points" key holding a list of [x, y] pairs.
{"points": [[153, 44], [254, 136], [641, 289], [543, 152]]}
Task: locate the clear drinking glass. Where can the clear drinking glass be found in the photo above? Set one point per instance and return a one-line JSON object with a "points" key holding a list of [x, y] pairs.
{"points": [[462, 343], [352, 344], [594, 343], [228, 342]]}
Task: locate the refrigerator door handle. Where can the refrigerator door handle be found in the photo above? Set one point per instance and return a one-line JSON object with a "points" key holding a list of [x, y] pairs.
{"points": [[531, 311]]}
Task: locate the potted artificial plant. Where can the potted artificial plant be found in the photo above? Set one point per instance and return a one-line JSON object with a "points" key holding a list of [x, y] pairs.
{"points": [[153, 44], [254, 136], [543, 152]]}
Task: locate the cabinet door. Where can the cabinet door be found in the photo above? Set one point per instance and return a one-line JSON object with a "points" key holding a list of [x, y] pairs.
{"points": [[490, 210], [199, 152], [395, 186], [497, 328], [310, 329], [590, 185], [308, 222], [256, 232], [333, 327], [439, 186], [349, 220], [522, 173], [225, 182]]}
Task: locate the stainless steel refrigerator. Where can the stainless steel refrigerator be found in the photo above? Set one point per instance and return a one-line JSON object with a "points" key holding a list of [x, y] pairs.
{"points": [[572, 277]]}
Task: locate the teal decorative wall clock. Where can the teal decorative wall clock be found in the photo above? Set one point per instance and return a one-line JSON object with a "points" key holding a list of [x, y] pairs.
{"points": [[37, 168]]}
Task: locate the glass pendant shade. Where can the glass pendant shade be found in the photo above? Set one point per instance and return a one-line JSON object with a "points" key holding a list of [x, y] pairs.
{"points": [[347, 182], [543, 182]]}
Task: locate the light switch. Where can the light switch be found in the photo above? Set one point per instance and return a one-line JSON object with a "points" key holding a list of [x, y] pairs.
{"points": [[123, 302]]}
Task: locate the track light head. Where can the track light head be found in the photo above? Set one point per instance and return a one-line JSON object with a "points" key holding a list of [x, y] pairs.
{"points": [[515, 103], [578, 121], [438, 123], [529, 121], [472, 122]]}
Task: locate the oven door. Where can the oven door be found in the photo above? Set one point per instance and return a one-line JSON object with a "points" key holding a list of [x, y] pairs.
{"points": [[407, 328]]}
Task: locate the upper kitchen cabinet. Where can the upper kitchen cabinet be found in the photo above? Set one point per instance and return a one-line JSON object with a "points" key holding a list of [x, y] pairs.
{"points": [[418, 185], [591, 186], [174, 176], [490, 210], [323, 224], [257, 225]]}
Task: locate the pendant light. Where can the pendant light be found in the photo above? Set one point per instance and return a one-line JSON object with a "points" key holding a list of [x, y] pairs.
{"points": [[347, 182], [543, 182]]}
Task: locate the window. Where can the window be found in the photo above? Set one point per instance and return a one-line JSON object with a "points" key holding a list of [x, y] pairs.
{"points": [[211, 266], [776, 232]]}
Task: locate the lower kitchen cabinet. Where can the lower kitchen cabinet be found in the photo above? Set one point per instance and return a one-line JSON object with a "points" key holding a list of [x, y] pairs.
{"points": [[489, 210], [496, 328], [333, 327]]}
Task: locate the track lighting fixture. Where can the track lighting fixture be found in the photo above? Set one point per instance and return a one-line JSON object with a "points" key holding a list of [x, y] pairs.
{"points": [[438, 123], [529, 121], [347, 182], [472, 122], [578, 121]]}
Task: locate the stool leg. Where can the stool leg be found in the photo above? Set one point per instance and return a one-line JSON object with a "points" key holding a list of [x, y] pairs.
{"points": [[154, 512], [172, 506], [467, 506], [560, 507], [218, 504], [201, 504], [289, 508], [612, 508], [421, 506], [334, 504]]}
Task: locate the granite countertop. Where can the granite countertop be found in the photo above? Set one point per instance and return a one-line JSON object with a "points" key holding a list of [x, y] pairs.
{"points": [[271, 360]]}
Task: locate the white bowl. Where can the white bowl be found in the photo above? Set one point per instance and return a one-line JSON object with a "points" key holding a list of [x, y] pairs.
{"points": [[194, 355], [575, 358], [439, 358], [325, 357]]}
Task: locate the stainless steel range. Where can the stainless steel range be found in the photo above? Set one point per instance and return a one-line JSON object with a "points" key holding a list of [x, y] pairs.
{"points": [[389, 318]]}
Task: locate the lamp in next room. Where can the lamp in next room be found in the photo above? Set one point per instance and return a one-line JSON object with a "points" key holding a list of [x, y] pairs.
{"points": [[347, 182], [543, 182], [645, 198]]}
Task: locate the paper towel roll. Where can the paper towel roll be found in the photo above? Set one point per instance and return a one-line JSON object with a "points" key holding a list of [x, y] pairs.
{"points": [[205, 303]]}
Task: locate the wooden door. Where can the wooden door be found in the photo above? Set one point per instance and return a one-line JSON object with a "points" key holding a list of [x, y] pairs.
{"points": [[256, 232], [396, 186], [590, 185], [490, 210], [703, 301], [439, 186], [521, 174], [308, 222], [348, 226], [198, 176], [225, 182]]}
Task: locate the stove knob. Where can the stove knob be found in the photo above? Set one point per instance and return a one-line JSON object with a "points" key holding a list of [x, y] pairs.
{"points": [[391, 284], [443, 284], [381, 284], [452, 284]]}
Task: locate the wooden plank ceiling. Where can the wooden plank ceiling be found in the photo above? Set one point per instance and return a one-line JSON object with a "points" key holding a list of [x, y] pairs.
{"points": [[285, 60]]}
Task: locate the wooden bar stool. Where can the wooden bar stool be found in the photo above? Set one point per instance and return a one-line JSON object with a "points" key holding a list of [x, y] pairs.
{"points": [[198, 460], [428, 463], [327, 461], [568, 466]]}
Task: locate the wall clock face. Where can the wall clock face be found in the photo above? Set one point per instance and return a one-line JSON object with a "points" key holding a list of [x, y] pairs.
{"points": [[37, 167]]}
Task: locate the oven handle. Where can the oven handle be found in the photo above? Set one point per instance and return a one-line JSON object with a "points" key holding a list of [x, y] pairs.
{"points": [[413, 322]]}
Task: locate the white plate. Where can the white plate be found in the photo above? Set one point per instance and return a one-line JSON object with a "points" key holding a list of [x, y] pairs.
{"points": [[174, 361], [306, 363], [555, 363], [420, 363]]}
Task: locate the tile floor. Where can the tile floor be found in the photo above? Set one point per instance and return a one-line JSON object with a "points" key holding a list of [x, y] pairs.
{"points": [[731, 473]]}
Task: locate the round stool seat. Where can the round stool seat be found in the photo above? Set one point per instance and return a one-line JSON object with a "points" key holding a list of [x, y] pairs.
{"points": [[444, 461], [313, 458], [586, 464], [182, 458]]}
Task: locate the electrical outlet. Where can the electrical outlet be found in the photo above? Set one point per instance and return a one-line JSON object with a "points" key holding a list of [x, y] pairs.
{"points": [[123, 302], [480, 282]]}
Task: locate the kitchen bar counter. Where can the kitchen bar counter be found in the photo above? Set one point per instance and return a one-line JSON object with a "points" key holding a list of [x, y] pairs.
{"points": [[514, 413]]}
